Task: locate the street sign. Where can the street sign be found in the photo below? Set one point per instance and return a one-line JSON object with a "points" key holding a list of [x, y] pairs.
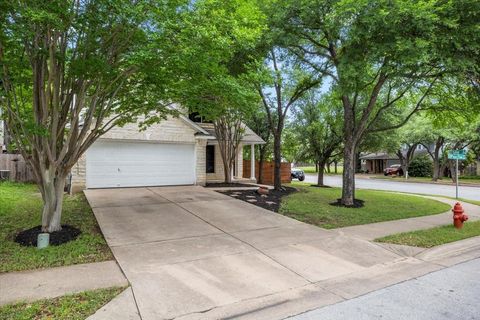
{"points": [[457, 154]]}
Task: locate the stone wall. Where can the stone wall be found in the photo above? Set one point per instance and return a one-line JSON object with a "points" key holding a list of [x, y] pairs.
{"points": [[218, 175]]}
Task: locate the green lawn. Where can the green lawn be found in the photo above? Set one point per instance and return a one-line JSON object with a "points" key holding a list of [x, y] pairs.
{"points": [[464, 179], [433, 237], [475, 202], [71, 307], [20, 209], [311, 169], [311, 205]]}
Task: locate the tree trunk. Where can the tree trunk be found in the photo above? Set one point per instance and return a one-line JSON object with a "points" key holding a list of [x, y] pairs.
{"points": [[348, 183], [321, 164], [52, 194], [260, 163], [401, 158], [228, 173], [336, 166], [436, 159], [327, 164], [441, 171], [349, 149], [277, 155], [453, 170], [358, 162], [316, 167], [436, 168]]}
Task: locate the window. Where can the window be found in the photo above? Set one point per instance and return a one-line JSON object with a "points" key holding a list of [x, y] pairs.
{"points": [[195, 117], [210, 159]]}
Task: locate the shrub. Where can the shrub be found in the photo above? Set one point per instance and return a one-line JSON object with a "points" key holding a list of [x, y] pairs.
{"points": [[420, 166]]}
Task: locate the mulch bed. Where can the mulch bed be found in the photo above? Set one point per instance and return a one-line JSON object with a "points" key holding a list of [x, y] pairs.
{"points": [[270, 201], [357, 203], [29, 237], [228, 185]]}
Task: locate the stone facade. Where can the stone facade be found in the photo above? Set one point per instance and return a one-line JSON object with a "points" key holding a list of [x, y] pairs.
{"points": [[200, 161], [239, 162], [79, 175], [170, 130], [218, 175]]}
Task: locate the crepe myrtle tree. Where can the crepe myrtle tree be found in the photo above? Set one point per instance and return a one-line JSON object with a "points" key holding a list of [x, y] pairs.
{"points": [[72, 70], [226, 101], [229, 131], [217, 40]]}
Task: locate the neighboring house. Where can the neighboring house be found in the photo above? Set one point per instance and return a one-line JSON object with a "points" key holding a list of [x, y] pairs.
{"points": [[379, 161], [176, 151]]}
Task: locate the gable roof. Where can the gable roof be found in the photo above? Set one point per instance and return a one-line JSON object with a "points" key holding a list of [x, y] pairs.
{"points": [[249, 137], [194, 125], [378, 156]]}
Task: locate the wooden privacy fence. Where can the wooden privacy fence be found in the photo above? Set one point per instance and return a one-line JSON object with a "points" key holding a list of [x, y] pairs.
{"points": [[17, 168], [285, 171]]}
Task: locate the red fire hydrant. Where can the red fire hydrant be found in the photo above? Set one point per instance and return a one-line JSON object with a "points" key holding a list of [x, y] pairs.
{"points": [[458, 217]]}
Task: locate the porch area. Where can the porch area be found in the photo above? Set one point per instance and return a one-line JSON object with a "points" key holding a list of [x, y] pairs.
{"points": [[215, 170]]}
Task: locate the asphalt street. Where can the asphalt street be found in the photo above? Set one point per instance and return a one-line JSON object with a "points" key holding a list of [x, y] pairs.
{"points": [[451, 293], [472, 193]]}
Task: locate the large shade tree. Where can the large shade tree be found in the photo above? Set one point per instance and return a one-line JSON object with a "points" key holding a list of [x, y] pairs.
{"points": [[72, 70], [280, 84], [377, 53], [317, 127], [459, 103]]}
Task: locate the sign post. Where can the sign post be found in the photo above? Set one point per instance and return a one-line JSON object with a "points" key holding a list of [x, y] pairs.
{"points": [[456, 179], [457, 155]]}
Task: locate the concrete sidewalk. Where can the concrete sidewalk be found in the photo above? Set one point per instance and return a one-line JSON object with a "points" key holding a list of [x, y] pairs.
{"points": [[122, 307], [381, 229], [55, 282]]}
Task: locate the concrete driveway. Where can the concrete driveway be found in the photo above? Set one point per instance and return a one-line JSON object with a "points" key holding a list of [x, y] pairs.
{"points": [[193, 253]]}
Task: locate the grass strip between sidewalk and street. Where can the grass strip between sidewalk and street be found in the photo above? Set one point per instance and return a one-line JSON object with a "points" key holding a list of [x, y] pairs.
{"points": [[311, 169], [463, 180], [475, 202], [435, 236], [21, 208], [312, 205], [70, 307]]}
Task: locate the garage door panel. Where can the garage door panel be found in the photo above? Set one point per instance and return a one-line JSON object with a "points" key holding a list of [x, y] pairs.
{"points": [[132, 164]]}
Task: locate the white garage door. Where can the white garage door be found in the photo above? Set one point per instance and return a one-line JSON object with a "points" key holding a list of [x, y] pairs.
{"points": [[135, 164]]}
